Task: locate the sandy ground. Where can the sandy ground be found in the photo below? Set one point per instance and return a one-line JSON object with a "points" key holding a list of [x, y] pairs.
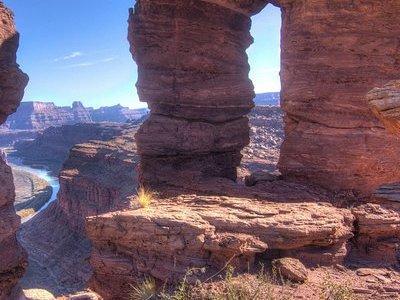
{"points": [[32, 192]]}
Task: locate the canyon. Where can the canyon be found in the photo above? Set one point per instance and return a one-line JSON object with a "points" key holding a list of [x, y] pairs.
{"points": [[321, 187]]}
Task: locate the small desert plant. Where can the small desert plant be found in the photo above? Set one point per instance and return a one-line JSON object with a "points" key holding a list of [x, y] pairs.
{"points": [[336, 291], [144, 291], [145, 196]]}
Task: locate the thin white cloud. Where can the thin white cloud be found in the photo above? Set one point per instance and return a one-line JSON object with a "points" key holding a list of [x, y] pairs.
{"points": [[69, 56], [90, 63]]}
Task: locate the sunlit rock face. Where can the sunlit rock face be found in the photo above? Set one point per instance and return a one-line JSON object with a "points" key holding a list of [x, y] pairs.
{"points": [[385, 104], [333, 54], [193, 72], [12, 80], [12, 84]]}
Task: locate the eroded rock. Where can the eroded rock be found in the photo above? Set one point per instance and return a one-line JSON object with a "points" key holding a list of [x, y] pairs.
{"points": [[12, 84], [195, 81], [97, 177], [290, 269], [385, 104], [174, 235]]}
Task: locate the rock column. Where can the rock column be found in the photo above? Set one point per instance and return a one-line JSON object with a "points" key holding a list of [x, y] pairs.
{"points": [[193, 73], [12, 84]]}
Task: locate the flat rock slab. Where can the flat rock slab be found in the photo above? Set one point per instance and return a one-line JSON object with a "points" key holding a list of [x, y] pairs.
{"points": [[167, 239]]}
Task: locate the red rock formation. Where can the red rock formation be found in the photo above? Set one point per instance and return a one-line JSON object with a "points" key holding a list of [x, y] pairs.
{"points": [[51, 148], [12, 84], [97, 177], [41, 115], [333, 53], [12, 80], [172, 236], [385, 104], [193, 73], [193, 70]]}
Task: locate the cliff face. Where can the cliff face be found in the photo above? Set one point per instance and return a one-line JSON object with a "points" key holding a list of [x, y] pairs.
{"points": [[117, 113], [12, 84], [333, 54], [41, 115], [97, 177], [51, 148]]}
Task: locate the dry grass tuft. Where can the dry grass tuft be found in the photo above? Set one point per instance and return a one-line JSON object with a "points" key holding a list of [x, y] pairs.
{"points": [[144, 291], [145, 197], [336, 291]]}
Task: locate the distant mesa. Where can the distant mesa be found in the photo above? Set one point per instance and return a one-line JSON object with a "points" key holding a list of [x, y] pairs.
{"points": [[41, 115], [272, 99]]}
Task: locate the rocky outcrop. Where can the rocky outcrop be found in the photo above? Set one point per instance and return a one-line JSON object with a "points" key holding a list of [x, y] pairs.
{"points": [[193, 73], [51, 148], [97, 177], [333, 54], [41, 115], [12, 84], [385, 104], [117, 114], [174, 235], [9, 137], [378, 232], [12, 80]]}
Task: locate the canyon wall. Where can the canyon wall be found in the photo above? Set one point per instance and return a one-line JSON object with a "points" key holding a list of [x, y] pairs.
{"points": [[117, 114], [97, 177], [42, 115], [12, 84], [51, 147]]}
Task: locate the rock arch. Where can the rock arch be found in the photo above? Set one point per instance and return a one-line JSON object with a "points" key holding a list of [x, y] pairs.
{"points": [[193, 72]]}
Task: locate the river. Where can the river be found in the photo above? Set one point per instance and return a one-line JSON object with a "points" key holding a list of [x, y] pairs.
{"points": [[44, 174]]}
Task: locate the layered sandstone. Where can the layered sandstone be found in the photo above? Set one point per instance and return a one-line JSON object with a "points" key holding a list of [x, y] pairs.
{"points": [[12, 84], [12, 80], [333, 54], [193, 73], [97, 177], [385, 104], [51, 147], [117, 114], [193, 69], [188, 231], [41, 115]]}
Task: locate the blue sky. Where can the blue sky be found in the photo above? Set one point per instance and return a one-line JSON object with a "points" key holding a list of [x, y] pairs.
{"points": [[77, 50]]}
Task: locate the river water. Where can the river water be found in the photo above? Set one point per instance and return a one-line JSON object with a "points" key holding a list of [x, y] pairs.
{"points": [[44, 174]]}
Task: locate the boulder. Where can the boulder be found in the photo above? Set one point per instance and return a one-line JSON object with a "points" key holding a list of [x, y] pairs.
{"points": [[290, 269]]}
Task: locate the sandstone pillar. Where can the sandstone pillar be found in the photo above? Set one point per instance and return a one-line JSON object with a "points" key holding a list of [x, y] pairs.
{"points": [[12, 84], [193, 73]]}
